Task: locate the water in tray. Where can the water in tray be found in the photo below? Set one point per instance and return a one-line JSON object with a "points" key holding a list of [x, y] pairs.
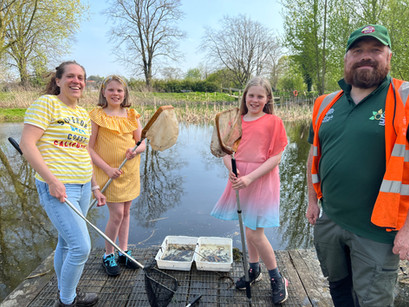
{"points": [[179, 252], [214, 253]]}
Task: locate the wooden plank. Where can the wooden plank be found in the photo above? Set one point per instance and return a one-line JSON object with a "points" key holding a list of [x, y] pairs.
{"points": [[311, 261], [311, 276], [296, 291], [32, 285]]}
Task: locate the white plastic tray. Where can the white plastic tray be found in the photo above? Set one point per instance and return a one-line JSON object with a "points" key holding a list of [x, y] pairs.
{"points": [[226, 247], [175, 265]]}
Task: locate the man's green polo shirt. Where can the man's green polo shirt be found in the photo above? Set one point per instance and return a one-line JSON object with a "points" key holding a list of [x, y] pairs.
{"points": [[352, 164]]}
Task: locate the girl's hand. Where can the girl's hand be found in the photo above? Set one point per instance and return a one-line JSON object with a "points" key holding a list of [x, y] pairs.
{"points": [[130, 154], [233, 177], [113, 172], [57, 189], [101, 199], [241, 182]]}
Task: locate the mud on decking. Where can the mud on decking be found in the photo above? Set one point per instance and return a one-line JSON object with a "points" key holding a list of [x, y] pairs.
{"points": [[307, 286]]}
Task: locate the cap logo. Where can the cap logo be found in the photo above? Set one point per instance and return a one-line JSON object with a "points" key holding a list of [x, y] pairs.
{"points": [[368, 29]]}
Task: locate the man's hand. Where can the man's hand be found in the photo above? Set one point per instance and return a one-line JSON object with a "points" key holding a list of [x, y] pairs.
{"points": [[313, 212], [401, 243]]}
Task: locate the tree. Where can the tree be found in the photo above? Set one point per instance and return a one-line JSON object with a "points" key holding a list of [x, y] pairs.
{"points": [[223, 78], [39, 32], [193, 74], [97, 79], [290, 78], [145, 32], [6, 17], [171, 73], [305, 26], [243, 46], [276, 67], [317, 31], [395, 19]]}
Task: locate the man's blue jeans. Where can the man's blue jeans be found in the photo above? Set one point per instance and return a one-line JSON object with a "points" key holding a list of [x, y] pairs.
{"points": [[74, 243]]}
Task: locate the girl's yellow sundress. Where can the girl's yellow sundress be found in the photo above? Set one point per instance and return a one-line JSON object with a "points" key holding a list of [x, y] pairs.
{"points": [[115, 136]]}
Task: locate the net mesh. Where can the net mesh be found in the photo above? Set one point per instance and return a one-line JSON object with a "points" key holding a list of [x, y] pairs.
{"points": [[163, 129], [226, 133], [160, 287]]}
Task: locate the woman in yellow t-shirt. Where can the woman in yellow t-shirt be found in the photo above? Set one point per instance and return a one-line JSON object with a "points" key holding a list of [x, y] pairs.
{"points": [[115, 131], [55, 142]]}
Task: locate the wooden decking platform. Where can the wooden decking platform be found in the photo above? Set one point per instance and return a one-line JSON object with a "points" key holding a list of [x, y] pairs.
{"points": [[307, 286]]}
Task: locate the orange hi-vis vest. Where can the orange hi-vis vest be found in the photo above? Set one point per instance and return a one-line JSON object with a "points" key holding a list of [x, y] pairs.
{"points": [[392, 204]]}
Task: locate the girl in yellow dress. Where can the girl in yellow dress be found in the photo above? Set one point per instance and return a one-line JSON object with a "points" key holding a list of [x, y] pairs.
{"points": [[115, 131]]}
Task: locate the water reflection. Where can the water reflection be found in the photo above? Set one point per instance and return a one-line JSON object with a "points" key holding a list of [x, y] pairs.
{"points": [[26, 236], [179, 188], [295, 230], [161, 185]]}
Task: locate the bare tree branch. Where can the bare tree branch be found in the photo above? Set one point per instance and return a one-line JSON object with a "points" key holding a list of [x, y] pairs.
{"points": [[243, 46], [145, 32]]}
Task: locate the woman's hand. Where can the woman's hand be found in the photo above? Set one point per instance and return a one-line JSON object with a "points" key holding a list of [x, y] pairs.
{"points": [[101, 199], [57, 189]]}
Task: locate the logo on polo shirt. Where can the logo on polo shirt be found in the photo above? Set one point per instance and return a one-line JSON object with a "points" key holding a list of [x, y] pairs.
{"points": [[379, 116], [329, 115]]}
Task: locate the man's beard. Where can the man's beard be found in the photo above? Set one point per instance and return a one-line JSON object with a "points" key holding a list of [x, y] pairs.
{"points": [[366, 78]]}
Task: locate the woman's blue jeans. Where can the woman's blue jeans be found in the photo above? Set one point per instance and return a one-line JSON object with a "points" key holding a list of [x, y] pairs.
{"points": [[74, 243]]}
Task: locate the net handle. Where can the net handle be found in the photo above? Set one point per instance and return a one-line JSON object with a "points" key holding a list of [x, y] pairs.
{"points": [[153, 119]]}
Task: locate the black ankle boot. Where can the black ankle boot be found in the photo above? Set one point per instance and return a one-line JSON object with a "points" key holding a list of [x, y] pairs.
{"points": [[82, 299], [58, 303], [86, 299]]}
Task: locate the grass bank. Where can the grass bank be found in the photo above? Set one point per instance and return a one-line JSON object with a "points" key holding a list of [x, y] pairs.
{"points": [[190, 107]]}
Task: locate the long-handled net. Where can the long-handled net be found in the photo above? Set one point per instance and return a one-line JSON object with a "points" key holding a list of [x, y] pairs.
{"points": [[162, 132], [225, 140]]}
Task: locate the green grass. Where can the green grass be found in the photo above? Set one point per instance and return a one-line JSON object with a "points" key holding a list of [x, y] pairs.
{"points": [[185, 97], [12, 115]]}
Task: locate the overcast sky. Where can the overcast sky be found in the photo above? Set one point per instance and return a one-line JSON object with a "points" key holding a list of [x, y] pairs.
{"points": [[93, 50]]}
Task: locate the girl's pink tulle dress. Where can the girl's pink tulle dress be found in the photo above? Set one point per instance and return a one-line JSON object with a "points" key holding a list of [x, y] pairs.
{"points": [[261, 139]]}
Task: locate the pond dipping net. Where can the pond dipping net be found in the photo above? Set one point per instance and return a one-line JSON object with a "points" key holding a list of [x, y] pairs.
{"points": [[159, 286], [226, 133], [162, 129]]}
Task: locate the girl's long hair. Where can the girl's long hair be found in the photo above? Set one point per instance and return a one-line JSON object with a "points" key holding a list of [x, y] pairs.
{"points": [[52, 88], [263, 82]]}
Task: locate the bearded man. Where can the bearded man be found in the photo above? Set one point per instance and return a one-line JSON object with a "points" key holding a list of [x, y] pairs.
{"points": [[358, 175]]}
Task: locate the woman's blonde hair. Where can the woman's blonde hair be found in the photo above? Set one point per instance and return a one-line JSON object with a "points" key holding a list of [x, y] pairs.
{"points": [[102, 101], [263, 82]]}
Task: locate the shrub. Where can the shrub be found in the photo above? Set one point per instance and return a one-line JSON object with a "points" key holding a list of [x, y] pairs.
{"points": [[178, 86]]}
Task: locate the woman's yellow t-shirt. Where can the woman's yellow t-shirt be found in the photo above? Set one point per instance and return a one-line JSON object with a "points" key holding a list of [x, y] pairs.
{"points": [[63, 145]]}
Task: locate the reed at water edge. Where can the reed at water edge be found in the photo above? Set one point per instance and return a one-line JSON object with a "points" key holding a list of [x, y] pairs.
{"points": [[190, 107]]}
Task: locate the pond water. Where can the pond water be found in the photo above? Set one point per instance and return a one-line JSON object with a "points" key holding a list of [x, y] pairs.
{"points": [[179, 188]]}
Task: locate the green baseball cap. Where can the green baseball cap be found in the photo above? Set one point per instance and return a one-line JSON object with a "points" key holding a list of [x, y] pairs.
{"points": [[376, 31]]}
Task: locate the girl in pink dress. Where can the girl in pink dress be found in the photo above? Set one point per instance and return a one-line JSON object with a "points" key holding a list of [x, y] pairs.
{"points": [[258, 182]]}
